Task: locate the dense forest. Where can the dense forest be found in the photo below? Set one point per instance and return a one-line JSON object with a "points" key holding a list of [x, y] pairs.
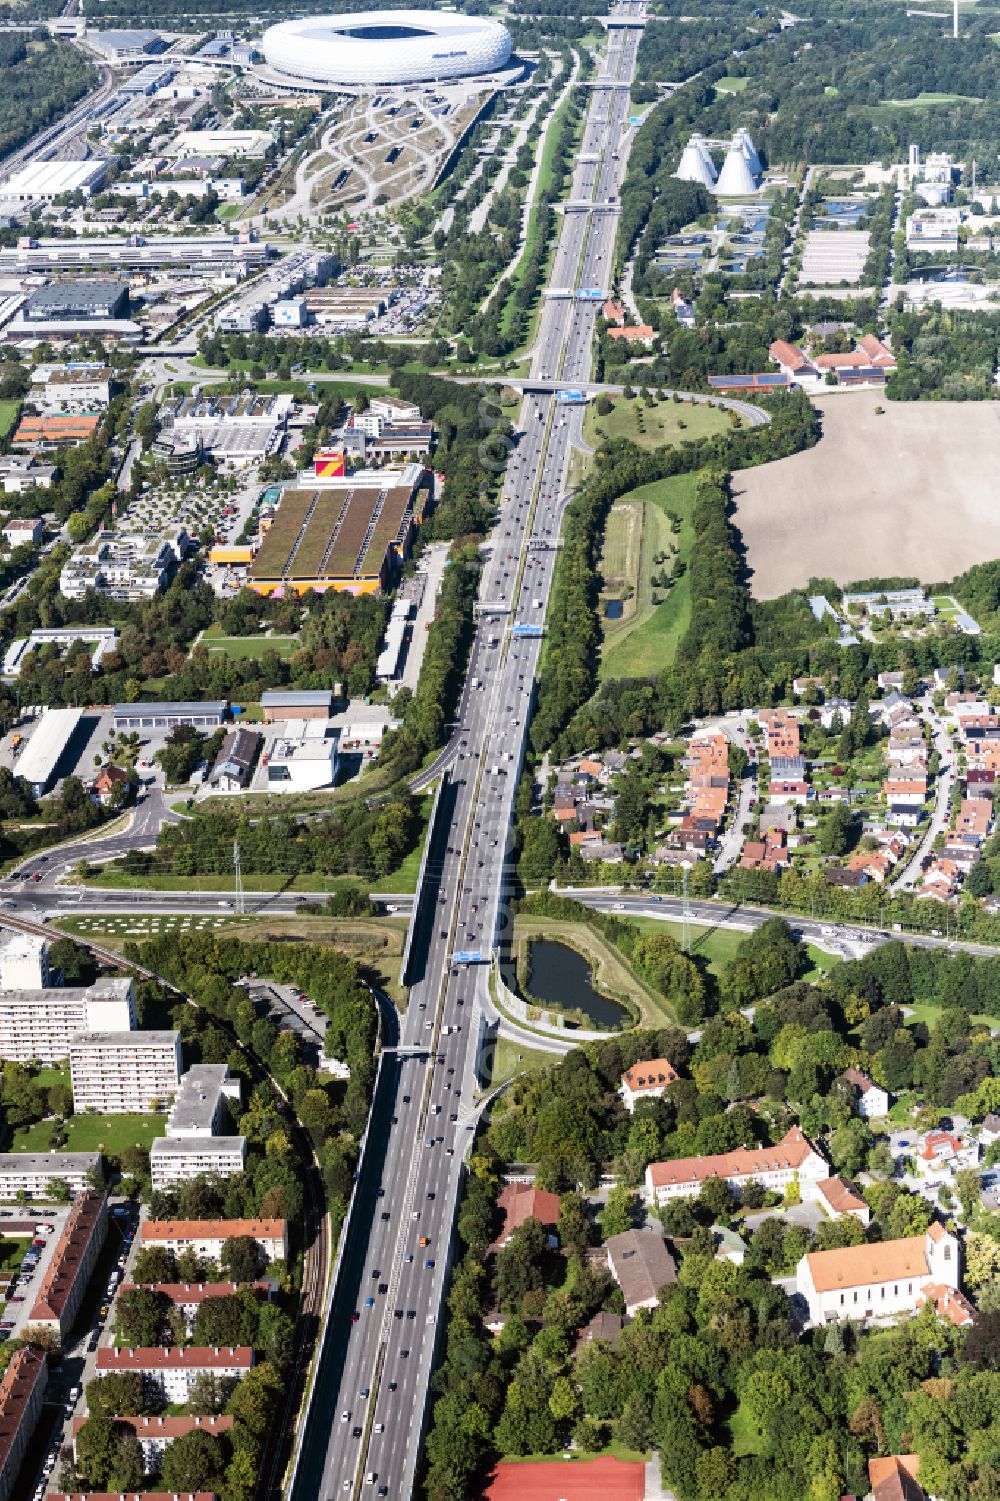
{"points": [[42, 79]]}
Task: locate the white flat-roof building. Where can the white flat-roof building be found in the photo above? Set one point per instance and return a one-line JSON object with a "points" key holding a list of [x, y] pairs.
{"points": [[38, 1024], [34, 1172], [177, 1159], [118, 1073], [191, 1146], [303, 757], [102, 638], [47, 180], [74, 388], [46, 748], [24, 962], [254, 143], [123, 565]]}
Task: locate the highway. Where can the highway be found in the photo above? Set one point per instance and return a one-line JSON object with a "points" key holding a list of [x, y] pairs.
{"points": [[369, 1405]]}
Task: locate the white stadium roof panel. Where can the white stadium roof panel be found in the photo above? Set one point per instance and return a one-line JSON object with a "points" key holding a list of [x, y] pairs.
{"points": [[386, 46]]}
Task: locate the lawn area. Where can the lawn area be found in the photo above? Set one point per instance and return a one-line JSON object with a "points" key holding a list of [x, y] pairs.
{"points": [[717, 946], [930, 1015], [746, 1436], [645, 640], [8, 416], [662, 423], [923, 100], [249, 648], [12, 1252], [730, 85], [510, 1058], [110, 1134]]}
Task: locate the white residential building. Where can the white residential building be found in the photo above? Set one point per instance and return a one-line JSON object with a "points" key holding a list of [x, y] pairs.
{"points": [[117, 1073], [38, 1025], [646, 1081], [871, 1101], [123, 565], [793, 1159], [34, 1172], [871, 1282], [207, 1237], [156, 1434], [303, 757], [24, 962], [186, 1298], [176, 1159], [171, 1372]]}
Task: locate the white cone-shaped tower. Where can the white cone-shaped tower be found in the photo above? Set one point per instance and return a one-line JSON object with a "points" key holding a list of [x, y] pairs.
{"points": [[735, 179], [745, 141], [695, 164]]}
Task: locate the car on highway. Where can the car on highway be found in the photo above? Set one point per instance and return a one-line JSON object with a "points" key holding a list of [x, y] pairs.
{"points": [[369, 1302]]}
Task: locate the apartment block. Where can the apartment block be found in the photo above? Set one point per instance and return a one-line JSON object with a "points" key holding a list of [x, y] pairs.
{"points": [[156, 1434], [37, 1025], [207, 1237], [177, 1159], [22, 1392], [34, 1172], [24, 963], [65, 1281], [187, 1297], [171, 1372], [118, 1073]]}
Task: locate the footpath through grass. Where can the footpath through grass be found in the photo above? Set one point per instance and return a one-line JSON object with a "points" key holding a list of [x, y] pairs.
{"points": [[646, 640]]}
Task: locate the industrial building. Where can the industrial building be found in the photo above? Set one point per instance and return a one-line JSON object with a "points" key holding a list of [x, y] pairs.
{"points": [[77, 301], [38, 1024], [231, 427], [348, 533], [205, 716], [387, 666], [230, 253], [224, 143], [68, 1273], [126, 46], [123, 565], [46, 748], [296, 703], [33, 1173], [41, 181], [303, 757], [344, 307], [121, 1073]]}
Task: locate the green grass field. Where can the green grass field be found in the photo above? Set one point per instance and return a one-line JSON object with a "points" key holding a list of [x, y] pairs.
{"points": [[8, 416], [646, 640], [730, 85], [249, 648], [510, 1058], [717, 946], [12, 1252], [665, 422], [110, 1134], [924, 101]]}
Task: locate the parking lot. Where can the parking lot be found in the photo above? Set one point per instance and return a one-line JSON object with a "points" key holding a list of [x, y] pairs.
{"points": [[290, 1008], [42, 1227], [221, 507]]}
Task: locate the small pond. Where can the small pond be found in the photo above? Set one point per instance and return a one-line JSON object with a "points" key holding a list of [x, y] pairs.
{"points": [[559, 976], [614, 609]]}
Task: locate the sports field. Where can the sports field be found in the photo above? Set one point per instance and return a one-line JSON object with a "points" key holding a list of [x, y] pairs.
{"points": [[646, 637], [907, 492]]}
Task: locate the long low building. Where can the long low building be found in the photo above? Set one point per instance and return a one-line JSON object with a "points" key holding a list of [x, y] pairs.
{"points": [[207, 1237], [100, 638], [22, 1393], [792, 1159], [48, 744], [204, 716], [349, 533], [171, 1371], [34, 1173], [156, 1434], [187, 1297], [68, 1273], [117, 253]]}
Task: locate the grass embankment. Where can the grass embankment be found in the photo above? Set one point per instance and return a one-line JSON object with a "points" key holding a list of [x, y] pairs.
{"points": [[645, 640], [510, 1058], [610, 971], [665, 422]]}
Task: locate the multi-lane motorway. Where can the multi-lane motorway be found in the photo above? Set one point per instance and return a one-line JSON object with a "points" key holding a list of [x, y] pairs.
{"points": [[366, 1417]]}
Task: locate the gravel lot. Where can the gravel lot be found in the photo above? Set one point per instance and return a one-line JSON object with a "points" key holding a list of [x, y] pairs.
{"points": [[909, 492]]}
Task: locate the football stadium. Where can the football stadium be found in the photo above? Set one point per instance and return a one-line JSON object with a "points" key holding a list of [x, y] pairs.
{"points": [[381, 47]]}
